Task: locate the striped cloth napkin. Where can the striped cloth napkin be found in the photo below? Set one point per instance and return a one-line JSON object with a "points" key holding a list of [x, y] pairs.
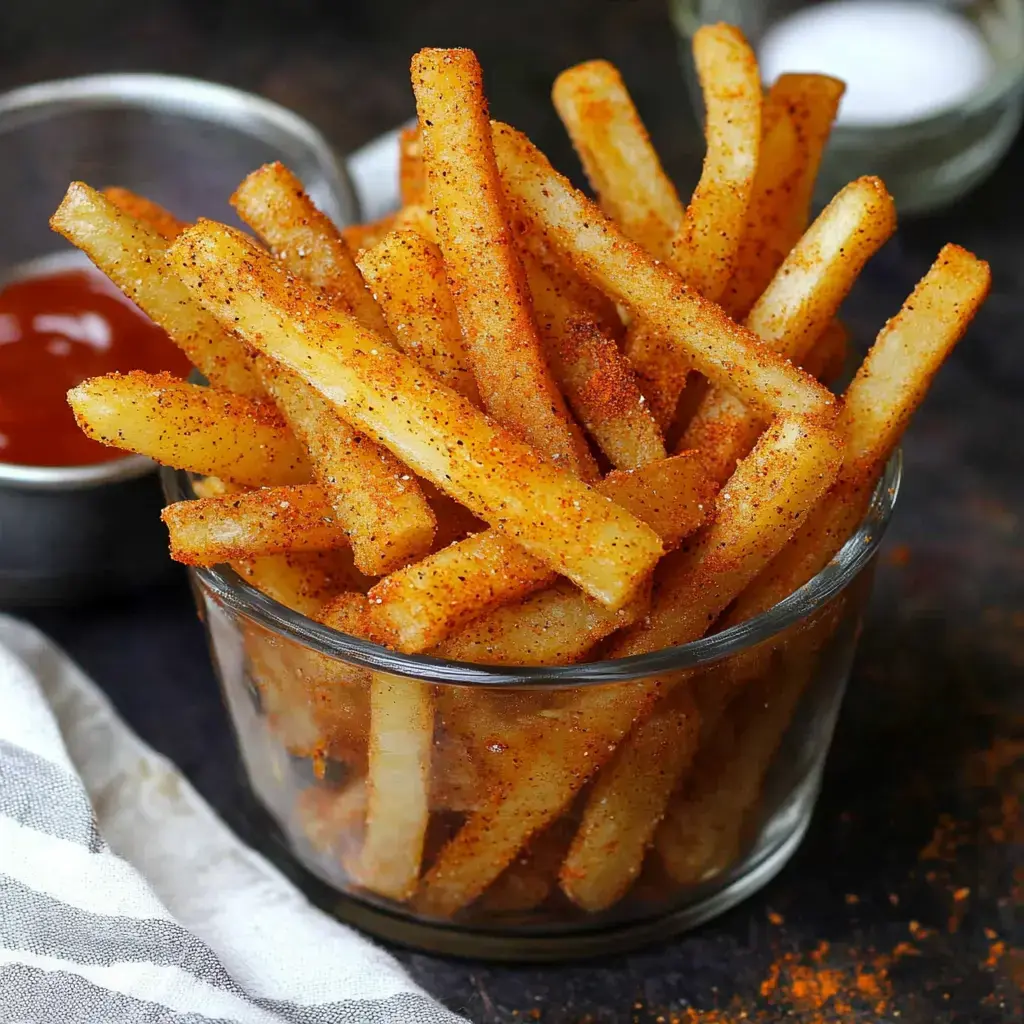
{"points": [[123, 898]]}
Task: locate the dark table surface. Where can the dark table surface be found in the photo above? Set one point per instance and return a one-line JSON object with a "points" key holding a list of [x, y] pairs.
{"points": [[905, 899]]}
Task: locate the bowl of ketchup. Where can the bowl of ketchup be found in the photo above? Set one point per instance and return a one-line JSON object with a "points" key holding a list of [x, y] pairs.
{"points": [[78, 520]]}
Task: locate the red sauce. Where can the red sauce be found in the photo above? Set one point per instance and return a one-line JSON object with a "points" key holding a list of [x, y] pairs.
{"points": [[56, 330]]}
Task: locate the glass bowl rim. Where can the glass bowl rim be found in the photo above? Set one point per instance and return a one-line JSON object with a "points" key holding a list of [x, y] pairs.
{"points": [[229, 589]]}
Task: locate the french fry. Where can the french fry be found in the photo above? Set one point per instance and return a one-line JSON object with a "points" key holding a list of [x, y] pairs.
{"points": [[417, 607], [798, 114], [557, 626], [203, 430], [214, 487], [474, 236], [812, 101], [691, 326], [407, 275], [268, 521], [433, 430], [359, 237], [617, 156], [274, 204], [789, 468], [704, 251], [377, 500], [796, 309], [888, 387], [631, 794], [153, 215], [304, 580], [398, 786], [412, 182], [414, 217], [132, 255], [594, 375]]}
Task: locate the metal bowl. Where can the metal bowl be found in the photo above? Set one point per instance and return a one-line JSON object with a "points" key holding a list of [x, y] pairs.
{"points": [[70, 533]]}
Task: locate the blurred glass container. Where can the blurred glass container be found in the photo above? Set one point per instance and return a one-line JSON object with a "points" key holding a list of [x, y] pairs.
{"points": [[300, 697], [73, 533], [926, 162]]}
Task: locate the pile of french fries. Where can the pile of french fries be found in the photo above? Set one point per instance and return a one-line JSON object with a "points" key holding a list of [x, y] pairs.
{"points": [[513, 425]]}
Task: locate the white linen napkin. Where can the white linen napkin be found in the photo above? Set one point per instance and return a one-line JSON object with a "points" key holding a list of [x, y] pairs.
{"points": [[123, 897]]}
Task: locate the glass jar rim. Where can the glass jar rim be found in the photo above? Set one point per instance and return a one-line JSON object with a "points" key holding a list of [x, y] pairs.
{"points": [[229, 589]]}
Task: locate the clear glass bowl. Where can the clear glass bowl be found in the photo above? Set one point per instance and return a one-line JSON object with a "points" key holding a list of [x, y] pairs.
{"points": [[926, 163], [297, 693]]}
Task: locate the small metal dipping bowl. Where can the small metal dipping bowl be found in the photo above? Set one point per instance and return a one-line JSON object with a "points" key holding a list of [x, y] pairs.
{"points": [[73, 533]]}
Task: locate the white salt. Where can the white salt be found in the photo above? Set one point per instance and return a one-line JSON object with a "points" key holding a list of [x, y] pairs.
{"points": [[901, 61]]}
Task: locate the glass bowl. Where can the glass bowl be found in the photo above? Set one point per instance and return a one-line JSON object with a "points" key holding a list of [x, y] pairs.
{"points": [[298, 694], [925, 163]]}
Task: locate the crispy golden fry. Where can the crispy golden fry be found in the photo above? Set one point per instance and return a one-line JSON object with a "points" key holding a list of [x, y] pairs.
{"points": [[877, 405], [377, 500], [415, 217], [796, 309], [412, 182], [203, 430], [359, 237], [465, 190], [812, 101], [435, 431], [827, 357], [144, 210], [407, 275], [704, 251], [214, 487], [268, 521], [726, 353], [557, 626], [303, 580], [616, 152], [274, 204], [594, 375], [771, 491], [627, 802], [132, 255], [398, 786], [417, 607]]}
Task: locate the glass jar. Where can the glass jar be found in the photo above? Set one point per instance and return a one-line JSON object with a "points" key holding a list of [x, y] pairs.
{"points": [[925, 163], [757, 701]]}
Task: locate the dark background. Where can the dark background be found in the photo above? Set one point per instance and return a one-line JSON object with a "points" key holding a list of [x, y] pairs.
{"points": [[913, 871]]}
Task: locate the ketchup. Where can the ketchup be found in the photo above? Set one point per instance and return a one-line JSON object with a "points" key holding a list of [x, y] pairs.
{"points": [[56, 329]]}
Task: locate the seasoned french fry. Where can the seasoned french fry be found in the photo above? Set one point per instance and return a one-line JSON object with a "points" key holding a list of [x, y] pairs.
{"points": [[398, 786], [617, 156], [434, 430], [274, 204], [268, 521], [203, 430], [214, 487], [772, 489], [798, 115], [412, 182], [359, 237], [377, 500], [812, 101], [407, 275], [704, 251], [877, 406], [414, 217], [132, 255], [144, 210], [726, 353], [528, 881], [474, 236], [557, 626], [417, 607], [627, 802], [592, 372], [303, 580], [795, 310]]}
